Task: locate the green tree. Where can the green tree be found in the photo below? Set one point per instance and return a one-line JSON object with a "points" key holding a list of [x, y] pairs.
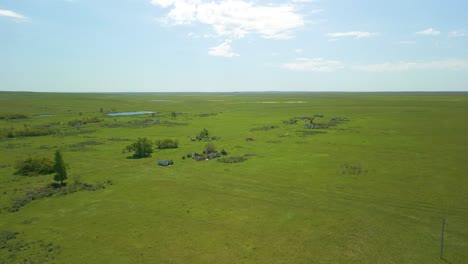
{"points": [[142, 147], [210, 148], [60, 168]]}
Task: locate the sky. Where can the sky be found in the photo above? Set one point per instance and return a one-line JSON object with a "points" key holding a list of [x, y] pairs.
{"points": [[233, 45]]}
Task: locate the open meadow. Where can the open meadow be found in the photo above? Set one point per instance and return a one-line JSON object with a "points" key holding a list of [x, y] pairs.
{"points": [[304, 178]]}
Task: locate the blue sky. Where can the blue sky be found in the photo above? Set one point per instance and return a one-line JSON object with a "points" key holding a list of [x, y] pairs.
{"points": [[233, 45]]}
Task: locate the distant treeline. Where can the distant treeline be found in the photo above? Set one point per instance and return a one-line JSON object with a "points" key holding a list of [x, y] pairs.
{"points": [[13, 116]]}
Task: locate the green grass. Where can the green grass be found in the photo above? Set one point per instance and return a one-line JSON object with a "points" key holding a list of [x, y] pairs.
{"points": [[370, 190]]}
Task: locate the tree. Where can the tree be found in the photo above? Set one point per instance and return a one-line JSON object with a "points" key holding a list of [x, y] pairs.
{"points": [[142, 147], [60, 168], [210, 148]]}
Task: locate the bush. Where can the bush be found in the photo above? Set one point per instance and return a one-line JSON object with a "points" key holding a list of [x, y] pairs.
{"points": [[29, 132], [234, 159], [210, 148], [84, 121], [34, 166], [142, 147], [167, 144], [13, 116]]}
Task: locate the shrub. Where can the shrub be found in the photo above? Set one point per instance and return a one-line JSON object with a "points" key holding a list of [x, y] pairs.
{"points": [[142, 147], [210, 148], [167, 144], [29, 132], [34, 166], [203, 134], [84, 121]]}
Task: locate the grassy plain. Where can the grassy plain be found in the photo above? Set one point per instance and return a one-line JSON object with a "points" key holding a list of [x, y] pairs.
{"points": [[370, 190]]}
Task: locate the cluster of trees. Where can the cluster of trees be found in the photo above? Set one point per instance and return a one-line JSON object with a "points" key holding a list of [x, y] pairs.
{"points": [[143, 147], [13, 116], [204, 135], [34, 166], [29, 132], [167, 144]]}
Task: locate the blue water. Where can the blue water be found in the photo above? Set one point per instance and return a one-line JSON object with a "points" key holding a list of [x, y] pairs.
{"points": [[130, 113]]}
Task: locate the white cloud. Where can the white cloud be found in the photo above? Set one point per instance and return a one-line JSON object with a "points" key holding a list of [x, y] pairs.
{"points": [[451, 65], [429, 32], [458, 33], [235, 19], [314, 65], [11, 14], [223, 50], [355, 34], [406, 42]]}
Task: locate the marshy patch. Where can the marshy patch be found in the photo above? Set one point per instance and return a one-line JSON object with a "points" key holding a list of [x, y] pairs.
{"points": [[352, 169], [273, 141], [172, 124], [80, 146], [264, 128], [233, 159], [16, 250], [206, 114], [303, 133], [13, 116], [53, 190], [113, 139], [15, 145], [130, 113]]}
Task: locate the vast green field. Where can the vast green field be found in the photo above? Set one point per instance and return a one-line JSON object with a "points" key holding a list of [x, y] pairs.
{"points": [[371, 188]]}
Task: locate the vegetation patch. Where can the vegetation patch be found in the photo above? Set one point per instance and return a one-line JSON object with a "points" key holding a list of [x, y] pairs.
{"points": [[142, 148], [233, 159], [54, 189], [15, 250], [205, 135], [16, 145], [352, 169], [167, 144], [209, 153], [206, 114], [34, 166], [83, 145], [76, 132], [172, 124], [84, 121], [118, 139], [304, 133], [264, 128], [13, 116], [29, 132]]}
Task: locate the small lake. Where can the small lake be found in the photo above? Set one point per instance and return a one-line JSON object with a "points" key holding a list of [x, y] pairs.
{"points": [[130, 113], [43, 115]]}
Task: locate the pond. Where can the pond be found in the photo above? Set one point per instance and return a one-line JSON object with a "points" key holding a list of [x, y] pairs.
{"points": [[130, 113], [43, 115]]}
